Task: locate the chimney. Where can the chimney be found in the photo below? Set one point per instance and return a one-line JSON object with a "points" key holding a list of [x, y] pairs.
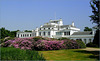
{"points": [[72, 23]]}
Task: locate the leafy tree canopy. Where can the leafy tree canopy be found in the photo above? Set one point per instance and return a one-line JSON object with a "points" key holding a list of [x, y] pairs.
{"points": [[95, 18], [28, 31], [87, 29], [5, 33], [95, 10]]}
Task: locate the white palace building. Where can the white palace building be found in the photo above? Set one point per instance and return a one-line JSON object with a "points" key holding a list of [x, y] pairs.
{"points": [[56, 29]]}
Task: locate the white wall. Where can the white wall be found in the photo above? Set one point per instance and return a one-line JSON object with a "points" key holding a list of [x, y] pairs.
{"points": [[24, 35]]}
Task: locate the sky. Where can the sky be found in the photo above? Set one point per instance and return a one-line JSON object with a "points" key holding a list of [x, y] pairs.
{"points": [[29, 14]]}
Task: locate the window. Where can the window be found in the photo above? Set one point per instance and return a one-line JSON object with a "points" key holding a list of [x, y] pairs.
{"points": [[48, 33], [30, 34], [66, 28], [40, 33], [68, 33], [85, 41], [27, 35], [18, 35], [23, 35], [65, 33], [48, 28], [40, 28], [44, 28], [44, 33], [58, 33], [89, 40]]}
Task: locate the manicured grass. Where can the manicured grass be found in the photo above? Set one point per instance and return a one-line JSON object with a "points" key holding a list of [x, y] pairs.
{"points": [[70, 54]]}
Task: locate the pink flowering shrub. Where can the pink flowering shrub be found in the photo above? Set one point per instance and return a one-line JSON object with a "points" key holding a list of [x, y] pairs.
{"points": [[49, 45], [39, 43], [22, 43], [71, 44]]}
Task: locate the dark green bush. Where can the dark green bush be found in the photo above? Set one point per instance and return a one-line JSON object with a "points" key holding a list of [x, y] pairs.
{"points": [[18, 54], [63, 38], [1, 41], [91, 45], [81, 44], [38, 38]]}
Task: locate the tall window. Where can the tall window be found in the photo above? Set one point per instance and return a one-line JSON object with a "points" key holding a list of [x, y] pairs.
{"points": [[21, 35], [68, 33], [18, 35], [85, 41], [30, 34], [48, 28], [66, 28], [25, 35], [40, 33], [48, 33], [44, 33], [89, 40], [65, 33]]}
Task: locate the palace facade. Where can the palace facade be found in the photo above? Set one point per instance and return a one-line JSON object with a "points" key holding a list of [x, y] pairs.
{"points": [[56, 29]]}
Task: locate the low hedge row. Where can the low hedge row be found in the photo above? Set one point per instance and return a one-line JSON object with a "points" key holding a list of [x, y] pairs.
{"points": [[9, 53]]}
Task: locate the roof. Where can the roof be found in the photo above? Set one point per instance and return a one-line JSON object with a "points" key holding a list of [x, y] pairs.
{"points": [[83, 33], [47, 26], [23, 32], [67, 26]]}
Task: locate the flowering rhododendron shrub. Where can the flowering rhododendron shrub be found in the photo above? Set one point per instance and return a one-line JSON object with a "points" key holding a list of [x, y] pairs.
{"points": [[71, 44], [22, 43], [39, 43], [49, 45]]}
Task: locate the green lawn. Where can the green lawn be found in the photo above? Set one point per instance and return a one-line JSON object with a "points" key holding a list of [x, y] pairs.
{"points": [[70, 54]]}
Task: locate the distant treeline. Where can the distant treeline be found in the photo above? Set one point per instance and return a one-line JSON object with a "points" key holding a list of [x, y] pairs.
{"points": [[7, 33]]}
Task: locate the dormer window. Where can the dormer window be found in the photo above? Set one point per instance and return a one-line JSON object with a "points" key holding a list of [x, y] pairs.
{"points": [[66, 28]]}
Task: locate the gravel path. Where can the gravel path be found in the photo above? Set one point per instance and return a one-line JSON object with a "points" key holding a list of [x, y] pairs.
{"points": [[91, 49]]}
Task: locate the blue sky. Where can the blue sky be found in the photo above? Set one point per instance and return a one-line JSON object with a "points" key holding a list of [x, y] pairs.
{"points": [[29, 14]]}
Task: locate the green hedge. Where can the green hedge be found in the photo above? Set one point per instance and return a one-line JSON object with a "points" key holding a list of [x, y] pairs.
{"points": [[91, 45], [38, 38], [81, 44], [18, 54], [63, 38]]}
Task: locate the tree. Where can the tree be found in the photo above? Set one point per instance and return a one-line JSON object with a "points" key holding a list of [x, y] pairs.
{"points": [[87, 29], [95, 10], [95, 18], [28, 31], [4, 33]]}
